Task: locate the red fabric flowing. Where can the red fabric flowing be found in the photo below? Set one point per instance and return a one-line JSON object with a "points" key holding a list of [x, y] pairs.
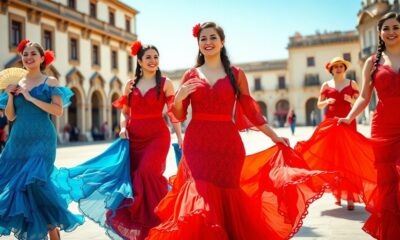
{"points": [[342, 149], [218, 192], [276, 188], [384, 205], [120, 102], [149, 139]]}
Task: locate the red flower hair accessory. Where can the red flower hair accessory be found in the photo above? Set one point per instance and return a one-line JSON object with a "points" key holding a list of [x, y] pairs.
{"points": [[196, 30], [328, 66], [136, 46], [48, 57], [22, 45]]}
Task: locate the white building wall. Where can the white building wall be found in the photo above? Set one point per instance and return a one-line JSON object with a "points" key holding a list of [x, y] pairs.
{"points": [[83, 6], [5, 54]]}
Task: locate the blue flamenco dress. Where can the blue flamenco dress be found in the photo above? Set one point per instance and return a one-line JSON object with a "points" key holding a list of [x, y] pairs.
{"points": [[101, 186], [30, 204]]}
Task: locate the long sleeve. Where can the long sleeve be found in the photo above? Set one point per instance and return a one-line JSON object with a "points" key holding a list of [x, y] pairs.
{"points": [[120, 102], [248, 113], [180, 115], [170, 103]]}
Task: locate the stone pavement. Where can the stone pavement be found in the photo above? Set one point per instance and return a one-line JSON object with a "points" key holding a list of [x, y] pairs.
{"points": [[325, 220]]}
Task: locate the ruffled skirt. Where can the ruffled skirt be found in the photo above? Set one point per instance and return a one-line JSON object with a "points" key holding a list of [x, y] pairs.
{"points": [[274, 193]]}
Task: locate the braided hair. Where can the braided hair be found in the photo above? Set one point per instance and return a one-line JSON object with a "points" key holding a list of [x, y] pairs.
{"points": [[139, 73], [224, 56], [381, 43]]}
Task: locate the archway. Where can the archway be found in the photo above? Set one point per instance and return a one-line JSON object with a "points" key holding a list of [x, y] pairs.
{"points": [[313, 113], [95, 102], [115, 113], [264, 108], [282, 109]]}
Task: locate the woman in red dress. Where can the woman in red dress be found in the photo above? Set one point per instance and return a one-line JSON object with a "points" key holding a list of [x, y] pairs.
{"points": [[143, 124], [338, 95], [218, 192], [382, 72]]}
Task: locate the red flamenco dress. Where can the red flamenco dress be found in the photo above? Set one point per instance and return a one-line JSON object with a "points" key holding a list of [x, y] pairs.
{"points": [[384, 222], [149, 141], [328, 151], [218, 192], [340, 148], [340, 108]]}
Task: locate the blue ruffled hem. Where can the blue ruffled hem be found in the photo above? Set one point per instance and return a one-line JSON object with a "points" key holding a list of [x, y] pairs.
{"points": [[30, 205], [101, 185]]}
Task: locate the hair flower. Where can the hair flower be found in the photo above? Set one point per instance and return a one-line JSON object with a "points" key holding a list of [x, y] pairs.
{"points": [[22, 45], [196, 30], [136, 46], [48, 57]]}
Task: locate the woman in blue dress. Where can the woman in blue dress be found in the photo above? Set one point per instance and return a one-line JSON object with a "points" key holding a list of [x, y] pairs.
{"points": [[30, 206]]}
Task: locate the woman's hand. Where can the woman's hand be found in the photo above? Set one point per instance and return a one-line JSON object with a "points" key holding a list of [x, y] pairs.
{"points": [[349, 98], [283, 140], [180, 141], [344, 120], [330, 101], [123, 133], [12, 88], [24, 92], [187, 88]]}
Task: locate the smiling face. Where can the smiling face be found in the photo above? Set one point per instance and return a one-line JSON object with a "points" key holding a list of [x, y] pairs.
{"points": [[390, 32], [210, 42], [338, 69], [31, 58], [150, 60]]}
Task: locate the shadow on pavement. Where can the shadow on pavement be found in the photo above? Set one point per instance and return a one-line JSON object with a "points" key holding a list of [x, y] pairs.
{"points": [[307, 232], [358, 214]]}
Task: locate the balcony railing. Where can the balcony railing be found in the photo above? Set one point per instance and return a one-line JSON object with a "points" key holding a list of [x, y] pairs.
{"points": [[73, 15], [311, 80]]}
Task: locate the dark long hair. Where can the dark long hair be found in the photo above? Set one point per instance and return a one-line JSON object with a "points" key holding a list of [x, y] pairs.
{"points": [[40, 50], [224, 56], [139, 73], [381, 43]]}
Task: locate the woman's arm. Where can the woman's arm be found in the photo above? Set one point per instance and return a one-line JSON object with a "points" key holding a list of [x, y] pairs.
{"points": [[181, 101], [124, 116], [365, 97], [248, 110], [322, 100], [56, 105], [10, 110], [169, 92]]}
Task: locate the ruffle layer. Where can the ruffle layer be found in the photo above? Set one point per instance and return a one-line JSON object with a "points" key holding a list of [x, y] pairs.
{"points": [[272, 200], [340, 148], [101, 185], [30, 204]]}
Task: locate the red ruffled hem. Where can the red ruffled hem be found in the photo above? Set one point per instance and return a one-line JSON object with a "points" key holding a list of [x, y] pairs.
{"points": [[271, 203], [383, 228], [344, 150]]}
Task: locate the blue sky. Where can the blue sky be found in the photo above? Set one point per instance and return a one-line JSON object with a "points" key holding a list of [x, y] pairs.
{"points": [[256, 30]]}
